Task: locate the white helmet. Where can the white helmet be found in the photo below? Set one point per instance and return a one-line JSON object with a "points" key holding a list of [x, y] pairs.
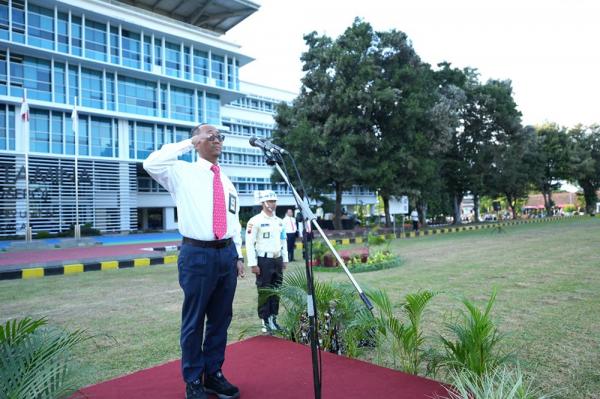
{"points": [[264, 195]]}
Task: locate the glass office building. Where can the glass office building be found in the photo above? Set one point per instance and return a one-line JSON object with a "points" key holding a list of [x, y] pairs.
{"points": [[140, 74]]}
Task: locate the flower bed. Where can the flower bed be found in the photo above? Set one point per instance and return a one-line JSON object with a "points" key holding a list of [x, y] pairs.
{"points": [[361, 253], [358, 264]]}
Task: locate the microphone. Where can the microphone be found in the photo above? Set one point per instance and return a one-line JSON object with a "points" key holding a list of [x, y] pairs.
{"points": [[266, 145]]}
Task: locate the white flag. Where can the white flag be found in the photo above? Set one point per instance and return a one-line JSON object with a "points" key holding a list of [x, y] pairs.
{"points": [[25, 123], [24, 110]]}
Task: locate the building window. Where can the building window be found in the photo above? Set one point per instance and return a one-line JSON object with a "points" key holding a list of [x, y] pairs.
{"points": [[75, 35], [200, 106], [110, 92], [95, 40], [147, 53], [84, 148], [218, 70], [18, 21], [164, 100], [182, 106], [3, 73], [69, 137], [40, 24], [63, 32], [182, 133], [59, 83], [56, 134], [200, 66], [7, 127], [131, 49], [144, 144], [158, 53], [4, 22], [213, 109], [32, 74], [73, 84], [173, 59], [187, 63], [91, 88], [137, 96], [39, 131], [102, 137], [115, 57], [231, 74], [132, 144]]}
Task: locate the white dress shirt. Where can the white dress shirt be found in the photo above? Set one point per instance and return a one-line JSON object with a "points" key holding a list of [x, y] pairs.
{"points": [[191, 186], [265, 233], [290, 224]]}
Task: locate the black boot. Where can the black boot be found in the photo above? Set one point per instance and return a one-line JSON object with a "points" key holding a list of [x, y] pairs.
{"points": [[195, 390], [217, 384]]}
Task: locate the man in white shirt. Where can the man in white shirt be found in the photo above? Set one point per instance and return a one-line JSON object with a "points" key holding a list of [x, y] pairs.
{"points": [[289, 222], [266, 249], [210, 259], [414, 216]]}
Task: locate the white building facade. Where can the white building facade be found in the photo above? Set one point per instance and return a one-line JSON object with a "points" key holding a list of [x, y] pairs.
{"points": [[141, 74]]}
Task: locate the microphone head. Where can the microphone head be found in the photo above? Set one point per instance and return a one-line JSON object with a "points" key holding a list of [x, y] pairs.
{"points": [[253, 141]]}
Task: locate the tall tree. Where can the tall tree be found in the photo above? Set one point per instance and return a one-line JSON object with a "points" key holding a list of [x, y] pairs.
{"points": [[552, 157], [403, 94], [585, 162], [510, 170], [328, 125], [454, 87]]}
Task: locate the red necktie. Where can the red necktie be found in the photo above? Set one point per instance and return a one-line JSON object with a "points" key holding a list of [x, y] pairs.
{"points": [[219, 213]]}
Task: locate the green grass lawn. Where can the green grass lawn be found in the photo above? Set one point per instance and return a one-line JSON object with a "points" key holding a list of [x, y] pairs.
{"points": [[547, 276]]}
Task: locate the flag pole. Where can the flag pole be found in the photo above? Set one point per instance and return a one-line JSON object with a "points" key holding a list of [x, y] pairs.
{"points": [[75, 128], [25, 135]]}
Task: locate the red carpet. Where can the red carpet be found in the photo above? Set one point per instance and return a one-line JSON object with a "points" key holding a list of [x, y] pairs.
{"points": [[269, 368]]}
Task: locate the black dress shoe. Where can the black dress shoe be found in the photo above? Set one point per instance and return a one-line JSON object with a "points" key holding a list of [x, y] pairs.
{"points": [[218, 385], [195, 390]]}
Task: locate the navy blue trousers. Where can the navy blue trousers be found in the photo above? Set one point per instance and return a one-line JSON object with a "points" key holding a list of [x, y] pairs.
{"points": [[208, 278]]}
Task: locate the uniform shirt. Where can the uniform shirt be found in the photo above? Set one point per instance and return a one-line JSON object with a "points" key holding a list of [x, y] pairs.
{"points": [[290, 224], [265, 234], [191, 186], [414, 215]]}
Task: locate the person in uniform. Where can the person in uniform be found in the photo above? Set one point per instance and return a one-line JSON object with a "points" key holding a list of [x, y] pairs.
{"points": [[266, 249], [210, 259], [289, 222]]}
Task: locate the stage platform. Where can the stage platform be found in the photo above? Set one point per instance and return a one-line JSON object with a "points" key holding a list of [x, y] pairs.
{"points": [[268, 368]]}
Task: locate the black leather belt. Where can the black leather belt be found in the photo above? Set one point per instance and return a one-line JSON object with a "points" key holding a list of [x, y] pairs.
{"points": [[207, 244]]}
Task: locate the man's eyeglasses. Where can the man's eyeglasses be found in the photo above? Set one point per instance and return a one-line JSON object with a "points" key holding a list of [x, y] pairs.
{"points": [[214, 137]]}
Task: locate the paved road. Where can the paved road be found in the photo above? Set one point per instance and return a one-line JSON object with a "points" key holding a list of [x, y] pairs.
{"points": [[107, 248]]}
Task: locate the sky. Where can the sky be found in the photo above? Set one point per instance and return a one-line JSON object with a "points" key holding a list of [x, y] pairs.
{"points": [[549, 49]]}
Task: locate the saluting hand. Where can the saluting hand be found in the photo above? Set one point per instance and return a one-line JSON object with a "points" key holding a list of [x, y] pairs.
{"points": [[255, 270]]}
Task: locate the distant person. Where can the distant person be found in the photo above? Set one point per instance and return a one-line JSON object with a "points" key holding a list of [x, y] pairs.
{"points": [[266, 249], [291, 229], [414, 216], [210, 259]]}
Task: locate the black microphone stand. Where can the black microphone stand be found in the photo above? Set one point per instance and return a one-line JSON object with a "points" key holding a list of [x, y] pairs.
{"points": [[274, 158]]}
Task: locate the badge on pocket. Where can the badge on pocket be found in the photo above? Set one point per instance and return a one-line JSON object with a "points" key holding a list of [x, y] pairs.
{"points": [[232, 203]]}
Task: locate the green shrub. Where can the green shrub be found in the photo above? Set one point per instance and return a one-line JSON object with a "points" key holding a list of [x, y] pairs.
{"points": [[337, 306], [42, 234], [473, 343], [502, 383], [36, 360], [400, 338]]}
